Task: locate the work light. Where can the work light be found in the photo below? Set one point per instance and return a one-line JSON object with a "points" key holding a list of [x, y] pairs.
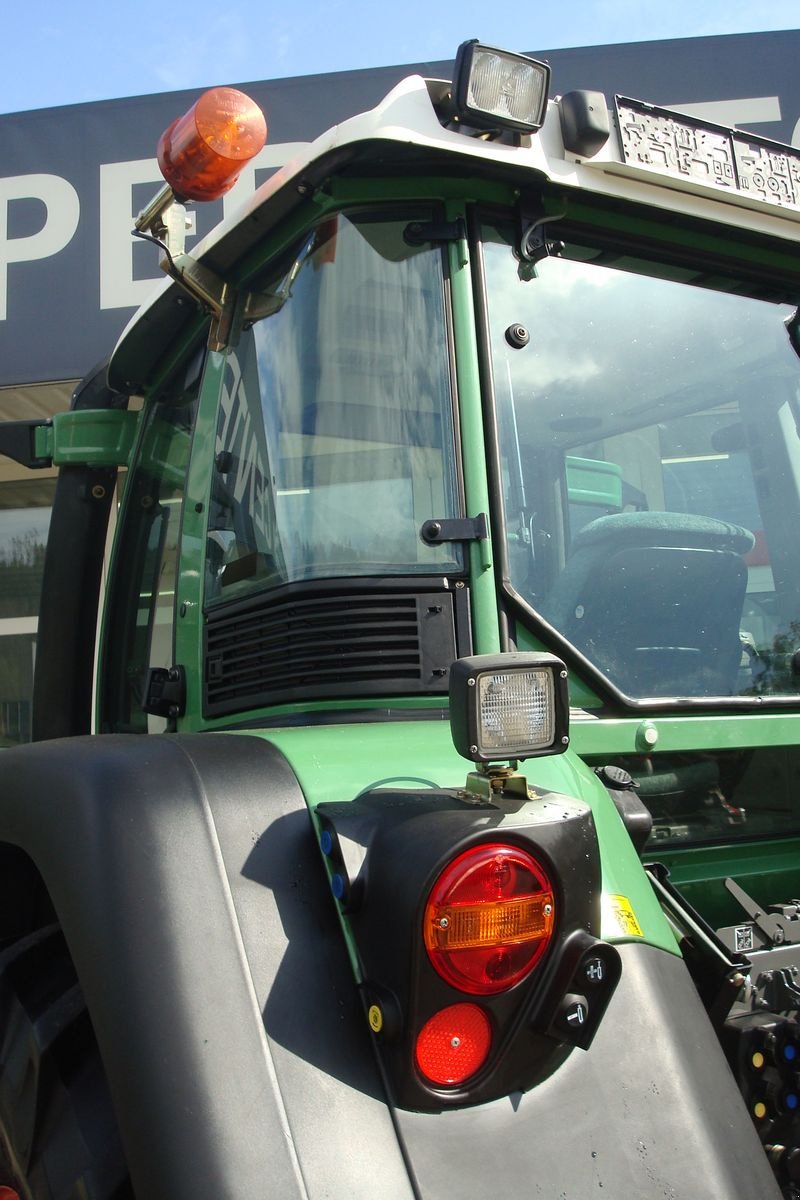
{"points": [[509, 706], [495, 89]]}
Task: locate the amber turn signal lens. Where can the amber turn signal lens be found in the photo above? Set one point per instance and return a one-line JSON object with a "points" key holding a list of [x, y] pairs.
{"points": [[489, 918], [203, 152]]}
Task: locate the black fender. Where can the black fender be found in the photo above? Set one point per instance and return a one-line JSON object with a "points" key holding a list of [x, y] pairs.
{"points": [[190, 892], [184, 874]]}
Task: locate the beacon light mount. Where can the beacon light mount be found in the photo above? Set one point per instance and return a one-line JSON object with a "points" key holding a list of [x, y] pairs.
{"points": [[201, 156]]}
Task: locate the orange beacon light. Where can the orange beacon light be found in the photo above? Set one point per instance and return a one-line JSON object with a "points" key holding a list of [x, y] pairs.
{"points": [[202, 153]]}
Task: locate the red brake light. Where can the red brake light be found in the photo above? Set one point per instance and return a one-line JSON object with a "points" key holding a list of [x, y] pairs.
{"points": [[454, 1044], [489, 918], [203, 152]]}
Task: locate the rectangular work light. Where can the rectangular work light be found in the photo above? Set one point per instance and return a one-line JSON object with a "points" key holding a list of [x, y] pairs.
{"points": [[509, 706], [495, 89]]}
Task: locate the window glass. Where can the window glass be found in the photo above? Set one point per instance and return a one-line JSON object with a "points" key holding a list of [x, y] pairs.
{"points": [[716, 795], [651, 466], [140, 621], [335, 436], [24, 520]]}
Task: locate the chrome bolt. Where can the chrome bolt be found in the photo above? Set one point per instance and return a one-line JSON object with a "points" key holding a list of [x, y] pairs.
{"points": [[444, 923], [455, 1042], [548, 910]]}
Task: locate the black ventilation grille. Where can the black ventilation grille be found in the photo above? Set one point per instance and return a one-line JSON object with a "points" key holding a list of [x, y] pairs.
{"points": [[312, 641]]}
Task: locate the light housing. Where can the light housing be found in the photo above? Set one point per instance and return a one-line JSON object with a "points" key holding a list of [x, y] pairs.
{"points": [[411, 856], [497, 89], [509, 706], [202, 153], [489, 918]]}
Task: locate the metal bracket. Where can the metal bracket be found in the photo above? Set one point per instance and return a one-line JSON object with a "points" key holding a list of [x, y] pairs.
{"points": [[213, 292], [420, 232], [466, 529], [498, 786], [21, 440], [165, 692], [164, 222], [778, 928]]}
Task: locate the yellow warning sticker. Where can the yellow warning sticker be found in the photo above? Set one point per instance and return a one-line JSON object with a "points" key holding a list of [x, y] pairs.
{"points": [[617, 911]]}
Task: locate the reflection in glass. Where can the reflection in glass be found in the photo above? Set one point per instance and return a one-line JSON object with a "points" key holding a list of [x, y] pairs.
{"points": [[334, 441], [24, 520], [651, 471]]}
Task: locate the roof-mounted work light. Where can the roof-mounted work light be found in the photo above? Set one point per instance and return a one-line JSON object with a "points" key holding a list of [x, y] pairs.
{"points": [[495, 89], [509, 706]]}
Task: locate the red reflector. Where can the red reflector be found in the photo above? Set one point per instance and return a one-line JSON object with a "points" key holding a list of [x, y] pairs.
{"points": [[489, 918], [7, 1193], [203, 152], [454, 1044]]}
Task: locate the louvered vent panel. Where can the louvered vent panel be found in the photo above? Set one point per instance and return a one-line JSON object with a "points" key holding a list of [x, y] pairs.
{"points": [[344, 643]]}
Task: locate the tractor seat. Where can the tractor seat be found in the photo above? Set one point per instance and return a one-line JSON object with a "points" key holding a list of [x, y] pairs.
{"points": [[654, 599]]}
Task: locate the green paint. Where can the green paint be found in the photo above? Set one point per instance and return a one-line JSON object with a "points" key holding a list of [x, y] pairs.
{"points": [[485, 628], [766, 869], [189, 599], [594, 482], [618, 735], [88, 437], [338, 762], [735, 246], [460, 189]]}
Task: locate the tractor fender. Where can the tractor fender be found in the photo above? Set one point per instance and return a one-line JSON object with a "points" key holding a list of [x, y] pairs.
{"points": [[188, 885], [197, 915]]}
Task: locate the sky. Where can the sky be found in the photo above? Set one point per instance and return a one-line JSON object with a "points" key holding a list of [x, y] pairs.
{"points": [[70, 51]]}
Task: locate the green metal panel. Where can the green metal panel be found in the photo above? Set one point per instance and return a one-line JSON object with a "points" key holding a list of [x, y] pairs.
{"points": [[766, 868], [338, 762], [637, 734], [592, 481], [88, 437], [485, 627]]}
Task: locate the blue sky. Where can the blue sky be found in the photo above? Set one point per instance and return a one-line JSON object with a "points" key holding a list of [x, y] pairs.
{"points": [[69, 51]]}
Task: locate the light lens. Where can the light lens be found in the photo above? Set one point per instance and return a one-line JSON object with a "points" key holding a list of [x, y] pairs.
{"points": [[509, 706], [505, 87], [489, 918], [497, 89], [203, 152], [516, 712], [454, 1044]]}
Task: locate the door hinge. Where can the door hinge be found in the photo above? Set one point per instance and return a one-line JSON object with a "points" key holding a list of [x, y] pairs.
{"points": [[467, 529], [165, 692]]}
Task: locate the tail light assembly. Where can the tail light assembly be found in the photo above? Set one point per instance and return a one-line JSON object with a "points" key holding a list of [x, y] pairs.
{"points": [[474, 913]]}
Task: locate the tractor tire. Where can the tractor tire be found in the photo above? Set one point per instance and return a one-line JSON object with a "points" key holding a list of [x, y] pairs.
{"points": [[58, 1134]]}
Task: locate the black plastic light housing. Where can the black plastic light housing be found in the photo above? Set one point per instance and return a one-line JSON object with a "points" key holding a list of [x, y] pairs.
{"points": [[386, 851], [497, 89], [509, 706]]}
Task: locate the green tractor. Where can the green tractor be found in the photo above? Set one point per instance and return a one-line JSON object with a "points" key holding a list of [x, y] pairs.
{"points": [[413, 805]]}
